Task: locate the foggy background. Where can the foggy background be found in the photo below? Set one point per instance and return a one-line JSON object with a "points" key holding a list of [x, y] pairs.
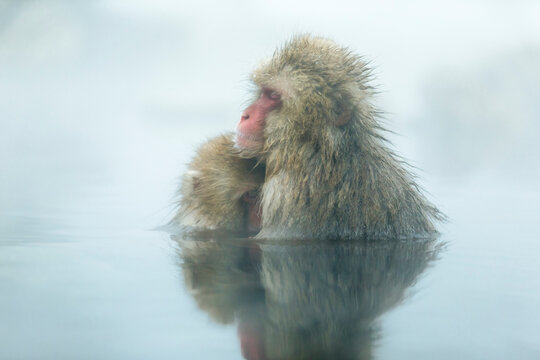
{"points": [[102, 104], [115, 95]]}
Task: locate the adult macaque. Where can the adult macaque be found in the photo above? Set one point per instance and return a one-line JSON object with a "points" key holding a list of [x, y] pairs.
{"points": [[329, 172], [219, 190]]}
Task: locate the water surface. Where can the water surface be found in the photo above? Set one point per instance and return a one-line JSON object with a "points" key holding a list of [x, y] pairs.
{"points": [[95, 283]]}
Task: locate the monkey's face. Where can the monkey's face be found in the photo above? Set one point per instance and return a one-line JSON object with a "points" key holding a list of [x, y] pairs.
{"points": [[307, 90], [250, 129]]}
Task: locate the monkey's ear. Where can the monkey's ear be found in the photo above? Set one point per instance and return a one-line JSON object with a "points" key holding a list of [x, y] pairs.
{"points": [[193, 177], [344, 117]]}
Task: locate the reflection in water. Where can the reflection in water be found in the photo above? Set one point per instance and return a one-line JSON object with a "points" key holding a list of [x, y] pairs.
{"points": [[302, 300]]}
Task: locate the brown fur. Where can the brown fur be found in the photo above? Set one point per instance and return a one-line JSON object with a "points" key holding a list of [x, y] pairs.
{"points": [[213, 185], [329, 171]]}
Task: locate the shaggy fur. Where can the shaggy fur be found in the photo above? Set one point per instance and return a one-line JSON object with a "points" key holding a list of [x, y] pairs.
{"points": [[329, 171], [213, 185]]}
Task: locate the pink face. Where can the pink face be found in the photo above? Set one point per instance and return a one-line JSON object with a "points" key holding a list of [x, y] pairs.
{"points": [[250, 129]]}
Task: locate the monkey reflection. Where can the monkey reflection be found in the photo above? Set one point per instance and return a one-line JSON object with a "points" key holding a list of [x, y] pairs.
{"points": [[302, 300]]}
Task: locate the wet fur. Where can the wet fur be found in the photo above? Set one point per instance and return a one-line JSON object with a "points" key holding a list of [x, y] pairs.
{"points": [[213, 185], [329, 171]]}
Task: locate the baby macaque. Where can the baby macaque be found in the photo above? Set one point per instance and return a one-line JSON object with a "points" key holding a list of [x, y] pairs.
{"points": [[219, 190]]}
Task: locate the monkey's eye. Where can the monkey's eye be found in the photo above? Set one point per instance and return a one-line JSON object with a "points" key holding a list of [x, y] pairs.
{"points": [[272, 94]]}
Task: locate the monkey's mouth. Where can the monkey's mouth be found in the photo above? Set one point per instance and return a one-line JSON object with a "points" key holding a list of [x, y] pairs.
{"points": [[249, 142]]}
